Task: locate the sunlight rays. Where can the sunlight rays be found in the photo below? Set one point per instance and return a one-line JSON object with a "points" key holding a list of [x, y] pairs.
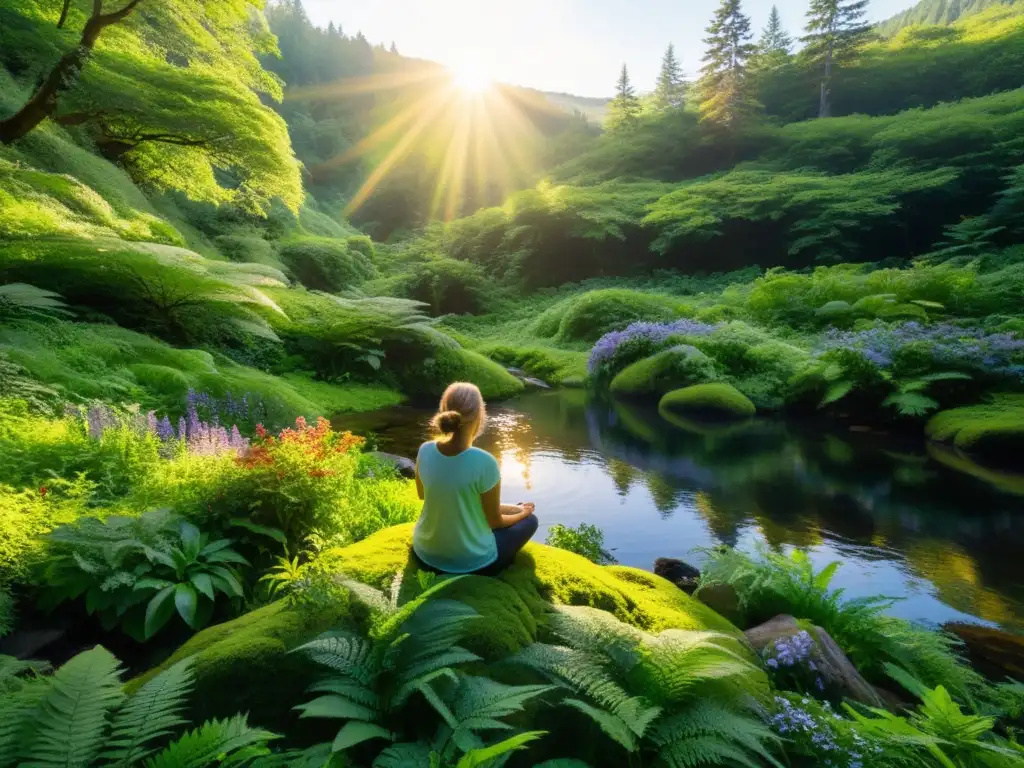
{"points": [[480, 139]]}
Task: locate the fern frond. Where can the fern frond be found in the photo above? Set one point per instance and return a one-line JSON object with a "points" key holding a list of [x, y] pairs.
{"points": [[597, 631], [12, 670], [345, 687], [407, 755], [711, 719], [151, 713], [483, 697], [17, 718], [611, 724], [71, 721], [487, 755], [705, 750], [216, 742], [345, 652]]}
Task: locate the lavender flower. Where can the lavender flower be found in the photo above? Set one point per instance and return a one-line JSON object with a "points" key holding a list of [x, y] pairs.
{"points": [[656, 333]]}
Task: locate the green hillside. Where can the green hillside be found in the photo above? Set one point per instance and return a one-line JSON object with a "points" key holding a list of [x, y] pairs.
{"points": [[928, 12]]}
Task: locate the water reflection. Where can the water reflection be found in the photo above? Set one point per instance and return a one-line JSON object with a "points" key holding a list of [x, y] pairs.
{"points": [[908, 521]]}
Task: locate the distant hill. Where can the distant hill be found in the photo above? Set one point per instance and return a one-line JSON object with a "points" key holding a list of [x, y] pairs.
{"points": [[935, 12], [593, 108]]}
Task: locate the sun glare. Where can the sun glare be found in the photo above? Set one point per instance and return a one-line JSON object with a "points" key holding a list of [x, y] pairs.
{"points": [[472, 77]]}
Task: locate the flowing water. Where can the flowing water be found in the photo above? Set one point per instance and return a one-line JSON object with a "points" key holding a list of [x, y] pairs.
{"points": [[906, 519]]}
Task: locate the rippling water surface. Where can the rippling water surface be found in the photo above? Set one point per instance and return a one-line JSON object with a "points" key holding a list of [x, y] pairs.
{"points": [[907, 520]]}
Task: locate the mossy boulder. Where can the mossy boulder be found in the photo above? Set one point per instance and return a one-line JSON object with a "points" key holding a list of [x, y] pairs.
{"points": [[673, 368], [589, 316], [244, 664], [993, 432], [447, 363], [710, 401]]}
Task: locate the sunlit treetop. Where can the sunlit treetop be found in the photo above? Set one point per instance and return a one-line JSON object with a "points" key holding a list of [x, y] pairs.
{"points": [[173, 92]]}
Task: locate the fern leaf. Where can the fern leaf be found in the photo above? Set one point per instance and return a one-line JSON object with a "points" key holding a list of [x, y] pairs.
{"points": [[563, 762], [711, 719], [215, 742], [12, 669], [345, 652], [408, 755], [153, 712], [18, 717], [72, 719], [836, 391], [356, 732], [611, 724], [445, 660], [482, 757], [911, 403], [336, 707], [824, 577], [705, 750], [343, 687], [485, 698]]}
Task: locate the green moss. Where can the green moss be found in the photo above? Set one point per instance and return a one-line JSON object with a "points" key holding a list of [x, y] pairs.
{"points": [[718, 400], [669, 369], [588, 316], [244, 664], [448, 364], [994, 431], [554, 366], [541, 575]]}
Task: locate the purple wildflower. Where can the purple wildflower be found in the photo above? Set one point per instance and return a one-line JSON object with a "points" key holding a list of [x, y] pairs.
{"points": [[608, 344]]}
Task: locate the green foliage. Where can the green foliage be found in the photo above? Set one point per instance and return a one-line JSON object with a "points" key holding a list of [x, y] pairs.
{"points": [[674, 696], [21, 300], [725, 85], [139, 572], [717, 400], [326, 264], [449, 286], [590, 315], [771, 584], [584, 539], [939, 733], [624, 109], [8, 617], [80, 716], [672, 368], [411, 648]]}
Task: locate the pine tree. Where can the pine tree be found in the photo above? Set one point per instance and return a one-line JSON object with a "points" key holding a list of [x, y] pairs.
{"points": [[625, 107], [670, 91], [725, 88], [775, 45], [835, 28], [394, 48]]}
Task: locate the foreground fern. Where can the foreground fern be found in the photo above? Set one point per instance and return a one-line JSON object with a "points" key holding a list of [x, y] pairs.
{"points": [[81, 717], [412, 649], [677, 697]]}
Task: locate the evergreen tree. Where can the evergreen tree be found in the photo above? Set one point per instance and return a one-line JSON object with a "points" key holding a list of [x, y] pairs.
{"points": [[835, 28], [725, 86], [775, 43], [670, 91], [394, 48], [625, 107]]}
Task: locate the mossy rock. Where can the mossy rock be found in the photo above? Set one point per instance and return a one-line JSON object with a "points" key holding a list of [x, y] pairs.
{"points": [[540, 576], [709, 401], [679, 366], [447, 364], [244, 665], [588, 316], [993, 432]]}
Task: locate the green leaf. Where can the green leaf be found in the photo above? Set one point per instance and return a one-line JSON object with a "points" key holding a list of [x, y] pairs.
{"points": [[274, 533], [186, 601], [481, 757], [226, 556], [223, 743], [356, 732], [203, 583], [190, 539], [836, 391], [911, 403], [226, 579], [159, 611], [563, 762], [152, 584], [824, 577], [336, 707]]}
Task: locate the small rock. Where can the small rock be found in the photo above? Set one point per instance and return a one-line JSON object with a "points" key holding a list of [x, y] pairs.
{"points": [[994, 653], [723, 600], [530, 381], [681, 574], [406, 467], [835, 668]]}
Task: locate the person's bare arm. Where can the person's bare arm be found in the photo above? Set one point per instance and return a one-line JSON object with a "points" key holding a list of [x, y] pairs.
{"points": [[502, 515]]}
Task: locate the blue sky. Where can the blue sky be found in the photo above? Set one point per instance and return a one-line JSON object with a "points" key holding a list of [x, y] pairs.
{"points": [[575, 46]]}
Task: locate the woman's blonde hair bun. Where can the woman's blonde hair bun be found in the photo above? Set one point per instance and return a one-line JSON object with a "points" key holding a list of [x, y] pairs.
{"points": [[462, 405]]}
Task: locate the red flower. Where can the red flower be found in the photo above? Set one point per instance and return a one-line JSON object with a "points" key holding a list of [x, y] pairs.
{"points": [[43, 491], [261, 431]]}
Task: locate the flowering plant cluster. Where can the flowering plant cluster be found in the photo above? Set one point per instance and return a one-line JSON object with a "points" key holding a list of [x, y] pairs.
{"points": [[815, 731], [790, 662], [947, 344], [641, 335], [248, 409]]}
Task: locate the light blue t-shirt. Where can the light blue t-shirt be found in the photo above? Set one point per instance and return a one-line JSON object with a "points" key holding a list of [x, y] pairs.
{"points": [[452, 533]]}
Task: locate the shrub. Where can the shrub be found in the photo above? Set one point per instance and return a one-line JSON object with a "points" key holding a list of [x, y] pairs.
{"points": [[672, 368], [449, 286], [447, 363], [718, 400], [247, 247], [618, 349], [137, 573], [589, 316], [586, 540], [326, 264]]}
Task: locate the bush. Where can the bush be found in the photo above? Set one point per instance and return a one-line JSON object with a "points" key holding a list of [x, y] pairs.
{"points": [[326, 264], [247, 247], [589, 316], [451, 363], [719, 400], [586, 540], [449, 286], [672, 368], [554, 366]]}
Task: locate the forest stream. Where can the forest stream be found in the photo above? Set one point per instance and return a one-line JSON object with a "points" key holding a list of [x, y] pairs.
{"points": [[903, 517]]}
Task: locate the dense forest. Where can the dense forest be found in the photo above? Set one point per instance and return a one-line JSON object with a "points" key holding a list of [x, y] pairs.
{"points": [[222, 225]]}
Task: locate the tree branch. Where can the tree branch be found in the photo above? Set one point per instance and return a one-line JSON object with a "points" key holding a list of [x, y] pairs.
{"points": [[43, 103], [64, 14]]}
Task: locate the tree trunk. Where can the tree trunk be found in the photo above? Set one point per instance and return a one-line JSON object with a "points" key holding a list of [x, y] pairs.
{"points": [[64, 14], [64, 74], [825, 102]]}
